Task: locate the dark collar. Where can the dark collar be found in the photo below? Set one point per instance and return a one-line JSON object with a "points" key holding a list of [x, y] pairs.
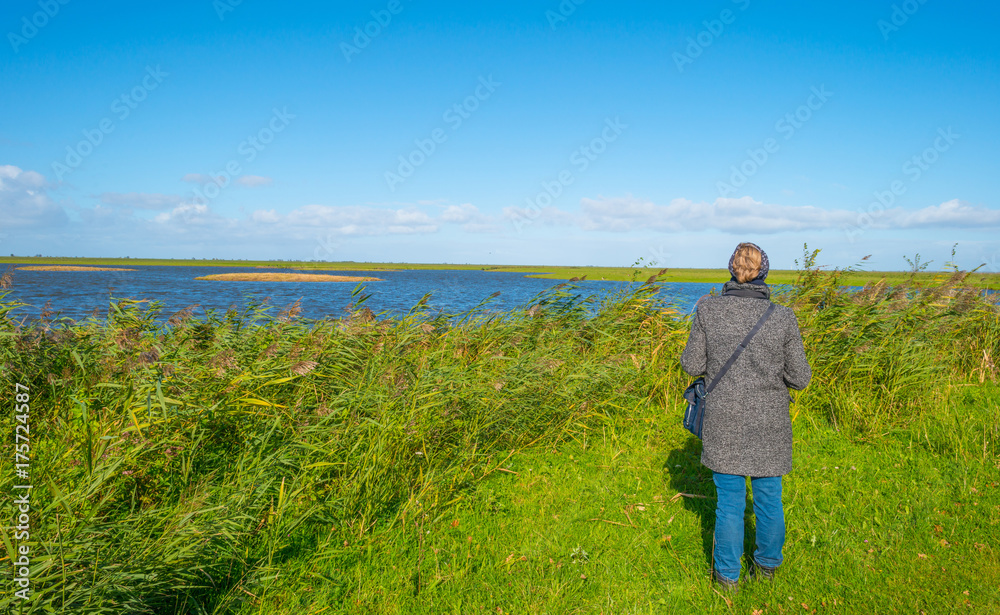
{"points": [[755, 281], [750, 289]]}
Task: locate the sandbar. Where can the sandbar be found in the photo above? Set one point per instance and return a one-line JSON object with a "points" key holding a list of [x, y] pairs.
{"points": [[71, 268], [284, 277]]}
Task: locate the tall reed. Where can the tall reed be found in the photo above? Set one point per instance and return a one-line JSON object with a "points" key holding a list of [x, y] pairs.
{"points": [[178, 467], [884, 355]]}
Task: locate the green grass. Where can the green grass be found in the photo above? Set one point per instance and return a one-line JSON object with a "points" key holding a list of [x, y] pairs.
{"points": [[594, 524], [258, 463]]}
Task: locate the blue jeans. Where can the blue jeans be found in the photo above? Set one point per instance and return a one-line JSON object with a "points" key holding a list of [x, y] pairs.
{"points": [[732, 491]]}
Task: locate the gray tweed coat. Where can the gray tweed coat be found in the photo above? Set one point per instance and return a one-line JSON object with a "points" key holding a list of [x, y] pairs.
{"points": [[747, 429]]}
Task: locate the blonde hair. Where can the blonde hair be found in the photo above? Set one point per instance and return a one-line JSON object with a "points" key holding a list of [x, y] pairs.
{"points": [[746, 262]]}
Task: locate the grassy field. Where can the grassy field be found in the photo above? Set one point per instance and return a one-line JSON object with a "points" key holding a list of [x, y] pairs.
{"points": [[526, 462], [594, 524], [559, 272]]}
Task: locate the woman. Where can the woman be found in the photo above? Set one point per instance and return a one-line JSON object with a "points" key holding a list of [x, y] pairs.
{"points": [[747, 431]]}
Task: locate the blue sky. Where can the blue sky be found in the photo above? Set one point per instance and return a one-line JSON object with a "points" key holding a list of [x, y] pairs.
{"points": [[581, 132]]}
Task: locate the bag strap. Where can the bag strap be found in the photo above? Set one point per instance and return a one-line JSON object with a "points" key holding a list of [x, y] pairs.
{"points": [[739, 349]]}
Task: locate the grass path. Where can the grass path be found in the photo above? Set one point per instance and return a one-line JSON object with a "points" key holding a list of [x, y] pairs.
{"points": [[905, 524]]}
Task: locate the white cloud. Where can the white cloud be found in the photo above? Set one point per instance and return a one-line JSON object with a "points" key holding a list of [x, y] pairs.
{"points": [[357, 220], [25, 202], [954, 213], [188, 214], [742, 215], [265, 216], [471, 219], [725, 214], [179, 221], [550, 216], [459, 213], [139, 200], [12, 177], [254, 181], [249, 181]]}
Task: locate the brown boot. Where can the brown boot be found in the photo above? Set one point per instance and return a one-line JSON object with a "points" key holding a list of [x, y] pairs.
{"points": [[724, 583], [760, 571]]}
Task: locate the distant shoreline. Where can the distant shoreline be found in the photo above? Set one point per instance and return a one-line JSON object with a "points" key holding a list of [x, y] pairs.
{"points": [[553, 272]]}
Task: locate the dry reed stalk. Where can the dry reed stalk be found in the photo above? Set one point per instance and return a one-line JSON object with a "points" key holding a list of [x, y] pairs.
{"points": [[304, 367], [127, 338], [182, 316], [269, 352], [290, 312], [985, 366], [688, 495], [149, 357], [224, 360], [47, 311], [8, 278], [365, 314]]}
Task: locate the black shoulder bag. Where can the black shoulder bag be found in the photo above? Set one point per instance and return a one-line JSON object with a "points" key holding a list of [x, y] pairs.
{"points": [[695, 394]]}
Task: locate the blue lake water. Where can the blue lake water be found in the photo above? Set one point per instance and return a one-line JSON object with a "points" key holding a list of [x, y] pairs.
{"points": [[76, 294]]}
